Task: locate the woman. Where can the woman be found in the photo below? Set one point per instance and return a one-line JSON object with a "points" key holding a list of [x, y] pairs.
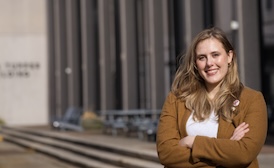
{"points": [[209, 119]]}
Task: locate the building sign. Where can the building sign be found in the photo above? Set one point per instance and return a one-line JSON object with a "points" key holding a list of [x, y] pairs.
{"points": [[18, 69]]}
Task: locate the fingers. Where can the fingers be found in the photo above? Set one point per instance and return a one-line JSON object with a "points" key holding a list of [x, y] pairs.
{"points": [[239, 135], [187, 141], [240, 132], [182, 142], [241, 127]]}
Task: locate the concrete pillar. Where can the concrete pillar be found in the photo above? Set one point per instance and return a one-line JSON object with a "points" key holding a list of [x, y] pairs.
{"points": [[248, 49], [128, 54], [73, 70], [107, 54], [60, 39], [193, 19], [51, 61], [157, 51], [90, 67]]}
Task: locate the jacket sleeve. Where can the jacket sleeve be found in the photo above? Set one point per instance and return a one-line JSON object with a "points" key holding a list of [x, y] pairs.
{"points": [[240, 153], [169, 151]]}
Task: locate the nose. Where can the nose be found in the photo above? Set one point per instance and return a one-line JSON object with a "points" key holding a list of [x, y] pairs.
{"points": [[209, 61]]}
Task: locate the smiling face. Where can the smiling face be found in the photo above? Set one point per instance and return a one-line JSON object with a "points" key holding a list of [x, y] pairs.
{"points": [[212, 61]]}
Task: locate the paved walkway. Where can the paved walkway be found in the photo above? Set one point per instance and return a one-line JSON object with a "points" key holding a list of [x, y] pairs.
{"points": [[266, 156]]}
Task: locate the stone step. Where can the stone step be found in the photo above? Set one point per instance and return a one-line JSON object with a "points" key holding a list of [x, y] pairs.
{"points": [[69, 144], [108, 144], [60, 153]]}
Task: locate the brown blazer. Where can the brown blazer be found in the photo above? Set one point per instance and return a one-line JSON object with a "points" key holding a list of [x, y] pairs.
{"points": [[213, 152]]}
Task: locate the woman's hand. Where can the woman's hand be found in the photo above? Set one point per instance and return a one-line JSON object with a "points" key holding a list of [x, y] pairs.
{"points": [[238, 134], [187, 141], [240, 131]]}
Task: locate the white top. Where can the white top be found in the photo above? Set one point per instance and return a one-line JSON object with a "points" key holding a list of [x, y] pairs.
{"points": [[208, 127]]}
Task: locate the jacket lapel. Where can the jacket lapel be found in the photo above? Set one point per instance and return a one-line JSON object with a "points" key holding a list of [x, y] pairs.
{"points": [[182, 116]]}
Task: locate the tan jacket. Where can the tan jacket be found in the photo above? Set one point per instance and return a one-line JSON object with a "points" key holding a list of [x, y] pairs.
{"points": [[213, 152]]}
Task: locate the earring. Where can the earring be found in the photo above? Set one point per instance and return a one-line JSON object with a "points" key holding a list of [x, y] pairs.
{"points": [[229, 64]]}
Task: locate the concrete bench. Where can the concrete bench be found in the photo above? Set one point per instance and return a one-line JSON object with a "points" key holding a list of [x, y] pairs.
{"points": [[70, 121], [147, 129], [140, 122]]}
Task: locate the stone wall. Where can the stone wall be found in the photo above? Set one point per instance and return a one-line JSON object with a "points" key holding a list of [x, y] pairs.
{"points": [[23, 62]]}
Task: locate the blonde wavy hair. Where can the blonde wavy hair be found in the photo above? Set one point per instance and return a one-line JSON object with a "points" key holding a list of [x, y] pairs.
{"points": [[190, 87]]}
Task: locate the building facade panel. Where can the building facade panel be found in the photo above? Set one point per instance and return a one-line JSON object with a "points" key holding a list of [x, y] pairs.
{"points": [[23, 63]]}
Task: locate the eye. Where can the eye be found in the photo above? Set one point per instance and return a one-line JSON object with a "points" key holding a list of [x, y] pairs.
{"points": [[215, 54], [201, 57]]}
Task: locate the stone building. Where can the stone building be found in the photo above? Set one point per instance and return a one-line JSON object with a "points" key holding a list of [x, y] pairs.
{"points": [[117, 54]]}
